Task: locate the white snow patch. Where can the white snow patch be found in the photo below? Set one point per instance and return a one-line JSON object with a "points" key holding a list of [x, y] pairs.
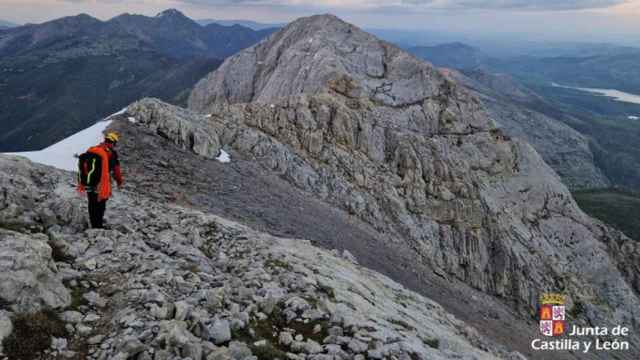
{"points": [[273, 106], [62, 155], [634, 118], [132, 120], [208, 115], [224, 157], [616, 95], [116, 114]]}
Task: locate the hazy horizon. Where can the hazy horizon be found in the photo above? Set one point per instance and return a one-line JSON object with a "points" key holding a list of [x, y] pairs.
{"points": [[539, 20]]}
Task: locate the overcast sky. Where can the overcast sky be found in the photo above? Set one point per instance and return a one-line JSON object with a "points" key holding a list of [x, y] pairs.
{"points": [[586, 20]]}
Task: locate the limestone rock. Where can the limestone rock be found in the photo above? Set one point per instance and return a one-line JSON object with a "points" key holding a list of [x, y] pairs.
{"points": [[183, 129], [28, 276], [513, 107], [220, 331], [387, 138]]}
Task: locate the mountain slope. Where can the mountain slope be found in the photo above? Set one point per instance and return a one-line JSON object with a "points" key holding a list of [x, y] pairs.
{"points": [[246, 23], [367, 128], [599, 147], [170, 280], [60, 76], [514, 107]]}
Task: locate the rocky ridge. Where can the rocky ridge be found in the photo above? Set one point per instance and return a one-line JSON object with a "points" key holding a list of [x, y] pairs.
{"points": [[167, 282], [381, 134]]}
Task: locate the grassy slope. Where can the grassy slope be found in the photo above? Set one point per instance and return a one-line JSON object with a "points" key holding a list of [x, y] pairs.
{"points": [[617, 208]]}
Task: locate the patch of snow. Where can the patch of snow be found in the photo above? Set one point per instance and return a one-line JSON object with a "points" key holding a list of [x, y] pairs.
{"points": [[634, 118], [208, 115], [273, 106], [616, 95], [62, 155], [224, 157], [132, 120], [116, 114]]}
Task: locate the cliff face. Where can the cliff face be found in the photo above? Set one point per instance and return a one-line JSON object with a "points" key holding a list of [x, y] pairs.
{"points": [[384, 136]]}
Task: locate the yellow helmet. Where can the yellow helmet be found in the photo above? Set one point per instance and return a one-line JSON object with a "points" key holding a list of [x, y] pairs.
{"points": [[112, 137]]}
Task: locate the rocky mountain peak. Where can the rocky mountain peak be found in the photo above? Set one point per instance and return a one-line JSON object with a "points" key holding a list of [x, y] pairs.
{"points": [[171, 13], [372, 130], [317, 54], [174, 17], [80, 22]]}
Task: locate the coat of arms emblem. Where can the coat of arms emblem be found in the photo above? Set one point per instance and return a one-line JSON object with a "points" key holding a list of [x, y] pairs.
{"points": [[552, 317]]}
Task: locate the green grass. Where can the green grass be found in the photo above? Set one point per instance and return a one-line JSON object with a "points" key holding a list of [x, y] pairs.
{"points": [[617, 208], [268, 352]]}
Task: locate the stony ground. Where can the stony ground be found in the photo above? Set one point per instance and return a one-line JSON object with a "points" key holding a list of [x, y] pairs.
{"points": [[244, 192], [167, 282]]}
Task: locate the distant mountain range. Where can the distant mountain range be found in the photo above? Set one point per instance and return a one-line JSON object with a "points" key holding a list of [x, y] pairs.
{"points": [[60, 76], [246, 23], [455, 55]]}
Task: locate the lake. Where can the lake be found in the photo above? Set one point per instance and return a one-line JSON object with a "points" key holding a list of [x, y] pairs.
{"points": [[612, 93]]}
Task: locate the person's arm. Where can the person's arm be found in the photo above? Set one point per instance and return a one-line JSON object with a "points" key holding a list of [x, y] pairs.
{"points": [[117, 172]]}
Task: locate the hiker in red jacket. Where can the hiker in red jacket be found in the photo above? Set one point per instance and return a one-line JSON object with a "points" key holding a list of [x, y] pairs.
{"points": [[95, 169]]}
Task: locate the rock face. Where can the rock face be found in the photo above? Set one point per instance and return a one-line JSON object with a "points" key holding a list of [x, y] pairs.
{"points": [[513, 107], [169, 282], [188, 132], [381, 134], [305, 56]]}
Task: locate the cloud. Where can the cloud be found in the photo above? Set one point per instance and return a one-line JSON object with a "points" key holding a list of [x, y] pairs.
{"points": [[536, 4], [367, 5]]}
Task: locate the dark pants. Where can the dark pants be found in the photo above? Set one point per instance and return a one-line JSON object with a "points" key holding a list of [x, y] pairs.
{"points": [[96, 210]]}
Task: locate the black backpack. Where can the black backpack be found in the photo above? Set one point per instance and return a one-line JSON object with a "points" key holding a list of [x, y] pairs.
{"points": [[89, 169]]}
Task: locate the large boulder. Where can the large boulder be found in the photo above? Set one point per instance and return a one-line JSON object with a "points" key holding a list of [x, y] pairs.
{"points": [[186, 130], [29, 279]]}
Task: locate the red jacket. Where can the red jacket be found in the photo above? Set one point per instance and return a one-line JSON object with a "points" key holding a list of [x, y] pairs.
{"points": [[110, 164]]}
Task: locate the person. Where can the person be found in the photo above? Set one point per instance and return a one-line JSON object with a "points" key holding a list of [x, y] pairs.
{"points": [[99, 194]]}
